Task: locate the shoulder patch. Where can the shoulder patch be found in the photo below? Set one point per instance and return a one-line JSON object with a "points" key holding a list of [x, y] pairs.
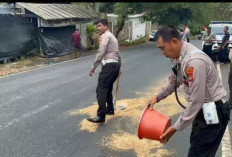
{"points": [[189, 72]]}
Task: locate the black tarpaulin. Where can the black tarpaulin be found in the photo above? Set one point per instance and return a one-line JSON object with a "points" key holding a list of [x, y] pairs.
{"points": [[16, 36], [56, 41]]}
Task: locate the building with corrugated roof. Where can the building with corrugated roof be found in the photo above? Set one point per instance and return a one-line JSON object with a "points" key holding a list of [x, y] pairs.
{"points": [[49, 25]]}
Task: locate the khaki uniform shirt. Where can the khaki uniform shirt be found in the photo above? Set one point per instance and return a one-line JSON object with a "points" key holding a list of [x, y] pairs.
{"points": [[186, 34], [108, 49], [200, 80], [208, 38]]}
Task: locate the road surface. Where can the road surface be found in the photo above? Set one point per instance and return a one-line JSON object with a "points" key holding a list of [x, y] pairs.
{"points": [[43, 111]]}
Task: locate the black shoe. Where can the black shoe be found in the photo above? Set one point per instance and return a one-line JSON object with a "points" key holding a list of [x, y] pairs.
{"points": [[97, 119], [110, 112]]}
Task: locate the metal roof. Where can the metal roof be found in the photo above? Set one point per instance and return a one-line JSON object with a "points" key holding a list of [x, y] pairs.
{"points": [[58, 11]]}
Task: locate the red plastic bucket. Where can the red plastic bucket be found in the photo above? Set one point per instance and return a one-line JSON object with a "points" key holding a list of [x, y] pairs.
{"points": [[152, 124]]}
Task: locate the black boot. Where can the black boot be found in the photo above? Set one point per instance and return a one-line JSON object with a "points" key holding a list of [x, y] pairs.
{"points": [[97, 119], [110, 110]]}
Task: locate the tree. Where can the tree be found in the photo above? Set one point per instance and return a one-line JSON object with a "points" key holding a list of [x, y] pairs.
{"points": [[224, 11], [105, 8], [89, 6], [195, 14], [123, 10]]}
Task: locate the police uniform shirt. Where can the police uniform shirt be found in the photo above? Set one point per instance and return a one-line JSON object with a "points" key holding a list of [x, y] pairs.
{"points": [[200, 80], [108, 49], [208, 38], [186, 34]]}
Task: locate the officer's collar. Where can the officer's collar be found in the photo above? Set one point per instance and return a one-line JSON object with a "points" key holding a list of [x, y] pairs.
{"points": [[182, 52]]}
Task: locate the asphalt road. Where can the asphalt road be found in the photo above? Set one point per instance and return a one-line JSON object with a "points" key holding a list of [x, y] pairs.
{"points": [[34, 107]]}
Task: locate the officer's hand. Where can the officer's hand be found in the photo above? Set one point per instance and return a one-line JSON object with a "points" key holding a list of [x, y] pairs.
{"points": [[152, 101], [120, 72], [223, 47], [167, 135], [91, 72]]}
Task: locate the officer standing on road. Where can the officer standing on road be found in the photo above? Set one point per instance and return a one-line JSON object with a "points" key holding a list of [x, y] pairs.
{"points": [[208, 39], [202, 84], [109, 56], [186, 34], [223, 50]]}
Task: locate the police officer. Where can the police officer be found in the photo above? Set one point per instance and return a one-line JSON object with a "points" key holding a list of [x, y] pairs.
{"points": [[186, 33], [109, 56], [202, 84], [208, 39], [223, 50]]}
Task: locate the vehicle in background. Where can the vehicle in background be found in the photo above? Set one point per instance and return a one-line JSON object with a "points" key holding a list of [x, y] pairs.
{"points": [[152, 35], [200, 35], [217, 27]]}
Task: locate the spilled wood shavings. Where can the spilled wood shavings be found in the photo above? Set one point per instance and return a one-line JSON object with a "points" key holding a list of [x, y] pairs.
{"points": [[124, 140]]}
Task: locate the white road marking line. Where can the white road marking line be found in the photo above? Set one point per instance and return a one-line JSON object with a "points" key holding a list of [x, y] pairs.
{"points": [[46, 66], [24, 116], [226, 143]]}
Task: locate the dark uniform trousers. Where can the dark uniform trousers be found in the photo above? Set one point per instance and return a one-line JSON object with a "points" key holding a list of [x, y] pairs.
{"points": [[106, 79], [208, 50], [205, 139], [223, 55]]}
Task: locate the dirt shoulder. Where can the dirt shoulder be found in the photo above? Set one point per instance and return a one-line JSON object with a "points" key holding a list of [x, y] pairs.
{"points": [[32, 62]]}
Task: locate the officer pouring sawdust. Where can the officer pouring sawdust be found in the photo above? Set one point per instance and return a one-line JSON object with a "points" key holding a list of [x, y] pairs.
{"points": [[207, 111]]}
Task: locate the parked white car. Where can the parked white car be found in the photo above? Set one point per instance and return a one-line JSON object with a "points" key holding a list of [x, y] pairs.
{"points": [[152, 35]]}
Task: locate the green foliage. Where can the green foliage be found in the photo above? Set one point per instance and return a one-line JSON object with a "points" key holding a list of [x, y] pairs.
{"points": [[90, 29], [125, 9], [91, 47], [107, 7], [41, 52], [196, 15], [135, 42]]}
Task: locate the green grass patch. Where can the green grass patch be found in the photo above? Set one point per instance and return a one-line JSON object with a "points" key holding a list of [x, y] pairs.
{"points": [[130, 43]]}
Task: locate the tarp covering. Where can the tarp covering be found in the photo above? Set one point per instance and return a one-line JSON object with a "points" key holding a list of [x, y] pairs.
{"points": [[20, 36], [56, 41], [16, 36]]}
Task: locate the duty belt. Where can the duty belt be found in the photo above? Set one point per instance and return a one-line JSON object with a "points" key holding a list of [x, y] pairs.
{"points": [[108, 61]]}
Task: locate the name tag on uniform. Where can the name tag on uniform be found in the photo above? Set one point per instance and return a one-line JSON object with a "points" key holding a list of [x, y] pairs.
{"points": [[210, 113]]}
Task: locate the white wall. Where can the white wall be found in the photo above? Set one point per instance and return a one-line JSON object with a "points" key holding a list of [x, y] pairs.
{"points": [[136, 20], [139, 31]]}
